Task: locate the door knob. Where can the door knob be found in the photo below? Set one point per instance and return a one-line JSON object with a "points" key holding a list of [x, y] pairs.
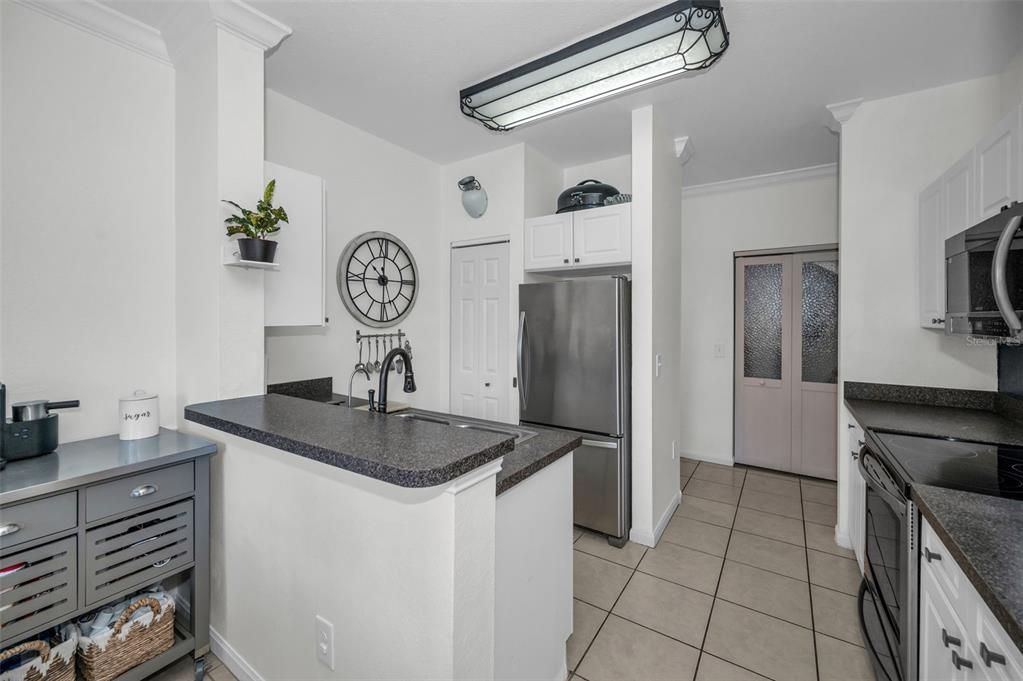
{"points": [[486, 385]]}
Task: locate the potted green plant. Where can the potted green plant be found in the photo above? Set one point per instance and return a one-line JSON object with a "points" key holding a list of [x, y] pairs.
{"points": [[254, 225]]}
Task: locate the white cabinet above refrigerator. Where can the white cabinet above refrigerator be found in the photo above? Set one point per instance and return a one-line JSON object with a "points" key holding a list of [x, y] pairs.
{"points": [[595, 237]]}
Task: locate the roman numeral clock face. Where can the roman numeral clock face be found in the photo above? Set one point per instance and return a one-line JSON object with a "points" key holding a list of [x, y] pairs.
{"points": [[378, 279]]}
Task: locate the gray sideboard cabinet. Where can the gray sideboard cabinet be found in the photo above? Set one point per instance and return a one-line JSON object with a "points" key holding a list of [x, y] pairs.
{"points": [[100, 519]]}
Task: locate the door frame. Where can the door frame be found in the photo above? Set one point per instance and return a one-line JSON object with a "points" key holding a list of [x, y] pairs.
{"points": [[737, 359]]}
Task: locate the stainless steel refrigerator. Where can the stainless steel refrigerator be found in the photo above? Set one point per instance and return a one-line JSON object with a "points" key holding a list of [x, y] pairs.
{"points": [[574, 356]]}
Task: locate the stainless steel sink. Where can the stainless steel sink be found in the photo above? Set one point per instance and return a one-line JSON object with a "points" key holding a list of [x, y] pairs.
{"points": [[520, 434]]}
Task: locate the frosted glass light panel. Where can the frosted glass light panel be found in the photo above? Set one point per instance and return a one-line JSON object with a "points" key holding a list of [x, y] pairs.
{"points": [[763, 315], [687, 35], [819, 330]]}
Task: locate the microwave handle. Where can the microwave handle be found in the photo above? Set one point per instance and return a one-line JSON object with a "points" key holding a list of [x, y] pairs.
{"points": [[1002, 299]]}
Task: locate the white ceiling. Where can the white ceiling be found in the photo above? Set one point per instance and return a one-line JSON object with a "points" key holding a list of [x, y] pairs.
{"points": [[395, 68]]}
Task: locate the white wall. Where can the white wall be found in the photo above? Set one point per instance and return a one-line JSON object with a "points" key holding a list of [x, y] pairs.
{"points": [[656, 322], [371, 185], [891, 149], [406, 576], [615, 171], [717, 221], [88, 212]]}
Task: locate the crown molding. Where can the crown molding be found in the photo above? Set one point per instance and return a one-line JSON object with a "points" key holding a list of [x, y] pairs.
{"points": [[683, 149], [248, 23], [841, 112], [104, 22], [767, 179]]}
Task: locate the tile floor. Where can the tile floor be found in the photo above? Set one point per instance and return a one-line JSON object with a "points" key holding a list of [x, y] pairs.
{"points": [[184, 670], [747, 583]]}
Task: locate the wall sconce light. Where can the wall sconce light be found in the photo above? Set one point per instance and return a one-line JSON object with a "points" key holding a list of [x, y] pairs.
{"points": [[474, 196]]}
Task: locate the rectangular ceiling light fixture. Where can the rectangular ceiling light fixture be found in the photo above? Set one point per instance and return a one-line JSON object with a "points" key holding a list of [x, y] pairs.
{"points": [[686, 35]]}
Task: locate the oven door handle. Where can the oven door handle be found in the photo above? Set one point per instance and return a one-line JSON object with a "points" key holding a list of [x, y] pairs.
{"points": [[897, 504], [1001, 259]]}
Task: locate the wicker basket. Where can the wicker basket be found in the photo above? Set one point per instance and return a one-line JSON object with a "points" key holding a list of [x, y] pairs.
{"points": [[53, 664], [128, 643]]}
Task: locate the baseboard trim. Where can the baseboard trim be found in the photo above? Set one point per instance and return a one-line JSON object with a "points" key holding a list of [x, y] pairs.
{"points": [[843, 539], [709, 459], [242, 670], [651, 539]]}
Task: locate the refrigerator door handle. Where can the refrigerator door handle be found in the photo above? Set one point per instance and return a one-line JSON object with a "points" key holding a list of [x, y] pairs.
{"points": [[522, 360], [600, 444]]}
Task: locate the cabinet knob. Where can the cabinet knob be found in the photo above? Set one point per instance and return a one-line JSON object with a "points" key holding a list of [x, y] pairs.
{"points": [[987, 656], [931, 555], [9, 528], [937, 320], [566, 261], [486, 385], [143, 491], [960, 662], [577, 259], [949, 640], [850, 426]]}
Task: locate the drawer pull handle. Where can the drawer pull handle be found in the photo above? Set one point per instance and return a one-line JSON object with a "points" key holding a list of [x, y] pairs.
{"points": [[9, 528], [988, 656], [931, 555], [161, 563], [143, 491], [949, 640], [960, 662]]}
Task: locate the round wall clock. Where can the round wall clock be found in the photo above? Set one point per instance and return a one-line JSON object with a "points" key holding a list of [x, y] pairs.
{"points": [[378, 279]]}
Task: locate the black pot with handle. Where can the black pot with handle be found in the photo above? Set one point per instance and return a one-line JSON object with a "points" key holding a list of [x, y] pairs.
{"points": [[586, 194]]}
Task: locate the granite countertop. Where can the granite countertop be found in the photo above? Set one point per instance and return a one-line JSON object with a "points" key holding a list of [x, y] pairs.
{"points": [[985, 534], [85, 461], [961, 423], [534, 455], [403, 452]]}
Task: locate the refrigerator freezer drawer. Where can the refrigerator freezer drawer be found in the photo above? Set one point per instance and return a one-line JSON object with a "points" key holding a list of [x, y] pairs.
{"points": [[601, 482]]}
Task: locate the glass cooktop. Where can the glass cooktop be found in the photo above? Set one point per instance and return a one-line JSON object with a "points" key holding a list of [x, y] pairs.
{"points": [[996, 470]]}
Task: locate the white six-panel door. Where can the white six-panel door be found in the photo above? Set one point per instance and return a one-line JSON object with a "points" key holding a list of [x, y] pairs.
{"points": [[480, 289]]}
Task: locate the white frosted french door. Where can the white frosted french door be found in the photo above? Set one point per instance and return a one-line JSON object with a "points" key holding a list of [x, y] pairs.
{"points": [[786, 363], [480, 337]]}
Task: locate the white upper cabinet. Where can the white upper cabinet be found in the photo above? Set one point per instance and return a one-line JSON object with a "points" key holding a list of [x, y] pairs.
{"points": [[548, 242], [931, 260], [998, 166], [295, 294], [603, 236], [583, 238], [959, 204]]}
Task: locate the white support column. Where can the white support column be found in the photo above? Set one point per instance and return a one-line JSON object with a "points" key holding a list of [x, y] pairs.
{"points": [[218, 51], [841, 113]]}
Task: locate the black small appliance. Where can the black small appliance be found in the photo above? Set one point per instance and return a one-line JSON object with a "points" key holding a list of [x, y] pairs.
{"points": [[32, 430], [586, 194]]}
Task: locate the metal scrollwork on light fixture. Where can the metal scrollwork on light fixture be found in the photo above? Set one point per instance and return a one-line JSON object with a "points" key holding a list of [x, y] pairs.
{"points": [[474, 196], [685, 35]]}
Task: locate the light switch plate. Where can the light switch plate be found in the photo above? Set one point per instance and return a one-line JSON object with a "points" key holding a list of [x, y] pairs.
{"points": [[325, 642], [719, 350], [658, 363]]}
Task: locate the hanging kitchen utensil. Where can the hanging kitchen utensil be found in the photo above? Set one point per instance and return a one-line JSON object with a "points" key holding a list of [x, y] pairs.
{"points": [[359, 363], [376, 365]]}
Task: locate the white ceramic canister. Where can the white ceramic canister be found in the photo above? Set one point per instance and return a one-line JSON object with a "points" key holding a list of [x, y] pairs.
{"points": [[139, 415]]}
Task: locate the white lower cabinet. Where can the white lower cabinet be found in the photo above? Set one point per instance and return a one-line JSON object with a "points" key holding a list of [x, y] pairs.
{"points": [[960, 639], [857, 493]]}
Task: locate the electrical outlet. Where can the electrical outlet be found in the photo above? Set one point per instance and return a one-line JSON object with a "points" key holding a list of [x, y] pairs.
{"points": [[719, 350], [674, 450], [325, 642], [658, 363]]}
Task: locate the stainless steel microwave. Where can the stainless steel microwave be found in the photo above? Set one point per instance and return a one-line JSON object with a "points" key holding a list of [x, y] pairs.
{"points": [[984, 277]]}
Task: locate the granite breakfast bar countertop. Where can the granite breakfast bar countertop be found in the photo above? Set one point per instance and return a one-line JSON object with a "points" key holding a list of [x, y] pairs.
{"points": [[984, 534], [399, 451]]}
